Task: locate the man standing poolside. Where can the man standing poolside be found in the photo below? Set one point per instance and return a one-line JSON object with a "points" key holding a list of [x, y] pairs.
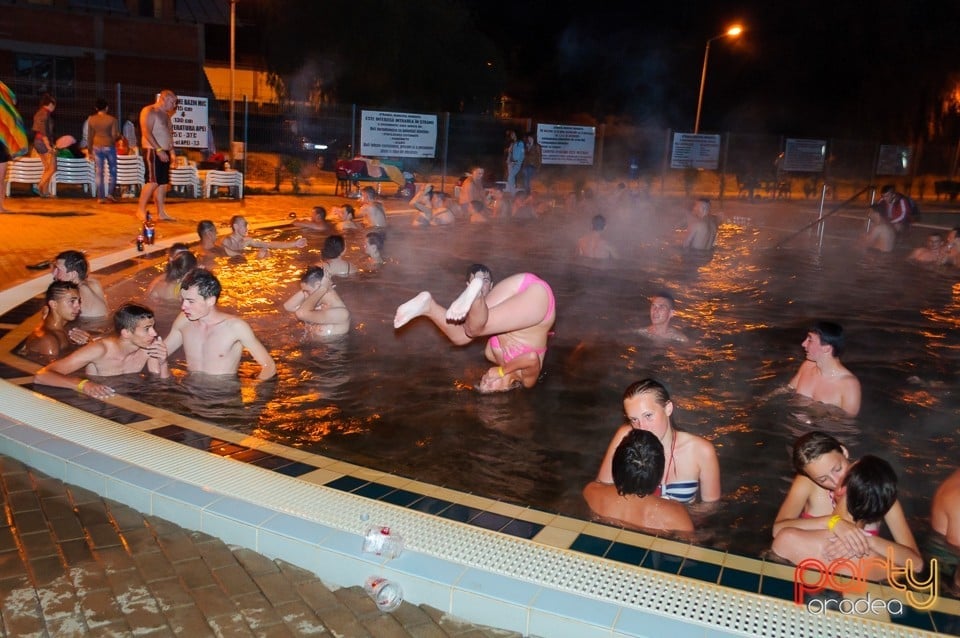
{"points": [[134, 346], [157, 145], [213, 341], [822, 377]]}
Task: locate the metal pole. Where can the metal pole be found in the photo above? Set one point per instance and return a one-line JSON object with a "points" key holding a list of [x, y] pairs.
{"points": [[446, 150], [233, 66], [703, 81]]}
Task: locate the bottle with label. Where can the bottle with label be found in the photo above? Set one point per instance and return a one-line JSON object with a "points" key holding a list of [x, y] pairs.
{"points": [[140, 243], [381, 541], [388, 595], [149, 231]]}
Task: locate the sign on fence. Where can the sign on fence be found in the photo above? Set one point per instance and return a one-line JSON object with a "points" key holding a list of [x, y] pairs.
{"points": [[562, 144], [893, 160], [695, 150], [804, 156], [383, 133], [190, 123]]}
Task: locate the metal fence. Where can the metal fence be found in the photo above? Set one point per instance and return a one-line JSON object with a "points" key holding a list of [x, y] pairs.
{"points": [[623, 153]]}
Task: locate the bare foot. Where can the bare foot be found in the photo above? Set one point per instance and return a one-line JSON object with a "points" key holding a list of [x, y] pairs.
{"points": [[142, 216], [412, 309], [461, 305], [166, 218]]}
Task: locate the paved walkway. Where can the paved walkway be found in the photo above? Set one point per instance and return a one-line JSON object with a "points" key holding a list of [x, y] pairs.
{"points": [[75, 564]]}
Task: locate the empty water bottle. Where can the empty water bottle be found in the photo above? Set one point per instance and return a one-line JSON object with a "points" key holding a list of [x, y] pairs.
{"points": [[386, 594], [381, 541]]}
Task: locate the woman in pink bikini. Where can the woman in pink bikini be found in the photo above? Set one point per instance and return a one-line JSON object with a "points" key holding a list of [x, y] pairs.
{"points": [[517, 314]]}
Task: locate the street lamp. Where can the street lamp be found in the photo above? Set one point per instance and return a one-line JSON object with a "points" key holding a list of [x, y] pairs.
{"points": [[732, 32]]}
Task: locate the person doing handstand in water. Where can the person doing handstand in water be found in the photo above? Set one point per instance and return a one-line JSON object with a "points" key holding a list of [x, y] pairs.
{"points": [[517, 314]]}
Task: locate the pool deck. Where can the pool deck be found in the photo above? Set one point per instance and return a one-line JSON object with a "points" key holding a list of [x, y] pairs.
{"points": [[76, 563]]}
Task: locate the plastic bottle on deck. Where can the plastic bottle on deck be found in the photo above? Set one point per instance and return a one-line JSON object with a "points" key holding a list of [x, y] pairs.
{"points": [[386, 594], [381, 541]]}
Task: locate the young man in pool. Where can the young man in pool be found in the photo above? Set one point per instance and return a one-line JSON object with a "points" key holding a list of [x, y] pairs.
{"points": [[516, 314], [71, 265], [701, 227], [235, 243], [661, 312], [134, 345], [318, 305], [212, 340], [822, 377], [593, 245], [51, 336], [634, 498]]}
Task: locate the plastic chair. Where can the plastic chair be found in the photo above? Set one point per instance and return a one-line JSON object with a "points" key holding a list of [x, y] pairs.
{"points": [[26, 170], [184, 177], [130, 171], [230, 179], [75, 170]]}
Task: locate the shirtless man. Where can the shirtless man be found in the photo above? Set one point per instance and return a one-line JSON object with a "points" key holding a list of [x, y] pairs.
{"points": [[235, 243], [634, 498], [881, 236], [372, 210], [822, 377], [945, 516], [212, 340], [51, 337], [931, 253], [472, 188], [134, 346], [517, 314], [592, 245], [71, 265], [318, 221], [318, 305], [157, 145], [701, 227], [661, 312]]}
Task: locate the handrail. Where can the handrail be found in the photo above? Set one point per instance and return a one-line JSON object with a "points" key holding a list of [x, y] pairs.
{"points": [[821, 218]]}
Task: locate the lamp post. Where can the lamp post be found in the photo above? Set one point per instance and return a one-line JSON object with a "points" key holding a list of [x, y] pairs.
{"points": [[732, 32], [233, 67]]}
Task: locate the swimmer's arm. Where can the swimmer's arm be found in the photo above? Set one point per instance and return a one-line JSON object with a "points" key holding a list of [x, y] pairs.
{"points": [[605, 475], [175, 338], [896, 522], [295, 301], [300, 242], [709, 473], [59, 373], [47, 345], [157, 359], [850, 396], [152, 292], [789, 514], [901, 553], [244, 334], [309, 313]]}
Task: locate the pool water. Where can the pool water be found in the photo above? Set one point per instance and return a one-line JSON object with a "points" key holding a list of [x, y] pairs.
{"points": [[402, 401]]}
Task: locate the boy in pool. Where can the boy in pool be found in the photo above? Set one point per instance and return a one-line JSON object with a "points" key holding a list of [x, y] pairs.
{"points": [[51, 337], [135, 345], [71, 265], [869, 492], [822, 464], [318, 305], [661, 312], [213, 340], [822, 377], [634, 498], [516, 314], [235, 243]]}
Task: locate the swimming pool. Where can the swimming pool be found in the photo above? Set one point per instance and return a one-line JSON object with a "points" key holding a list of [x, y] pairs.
{"points": [[402, 401]]}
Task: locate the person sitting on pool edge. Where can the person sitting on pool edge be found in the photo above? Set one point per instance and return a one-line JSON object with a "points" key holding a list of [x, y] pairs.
{"points": [[318, 305], [692, 467], [71, 265], [822, 377], [661, 312], [634, 498], [61, 306], [134, 345], [516, 314], [213, 341], [869, 491], [822, 464]]}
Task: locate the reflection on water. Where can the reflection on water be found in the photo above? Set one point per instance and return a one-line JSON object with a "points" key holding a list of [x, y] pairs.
{"points": [[402, 401]]}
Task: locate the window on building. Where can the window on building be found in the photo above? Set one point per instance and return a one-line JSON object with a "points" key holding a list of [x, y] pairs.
{"points": [[38, 74]]}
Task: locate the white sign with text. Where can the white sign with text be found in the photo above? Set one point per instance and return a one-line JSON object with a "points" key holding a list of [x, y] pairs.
{"points": [[386, 134], [695, 150], [563, 144], [190, 122]]}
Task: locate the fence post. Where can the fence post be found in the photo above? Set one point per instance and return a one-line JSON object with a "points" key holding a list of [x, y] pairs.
{"points": [[666, 161], [446, 146]]}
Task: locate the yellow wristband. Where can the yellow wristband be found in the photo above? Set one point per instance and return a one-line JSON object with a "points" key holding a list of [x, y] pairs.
{"points": [[836, 518], [80, 385], [500, 370]]}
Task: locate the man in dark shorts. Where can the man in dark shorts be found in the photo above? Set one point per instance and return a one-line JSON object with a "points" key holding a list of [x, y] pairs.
{"points": [[157, 145]]}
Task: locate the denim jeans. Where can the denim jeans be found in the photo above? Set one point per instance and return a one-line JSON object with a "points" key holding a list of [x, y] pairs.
{"points": [[108, 155]]}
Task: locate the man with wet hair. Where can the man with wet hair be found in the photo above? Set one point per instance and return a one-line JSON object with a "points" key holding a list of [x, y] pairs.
{"points": [[71, 265], [318, 305], [661, 312], [701, 227], [634, 498], [51, 336], [371, 209], [213, 341], [134, 345], [822, 377], [593, 245]]}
